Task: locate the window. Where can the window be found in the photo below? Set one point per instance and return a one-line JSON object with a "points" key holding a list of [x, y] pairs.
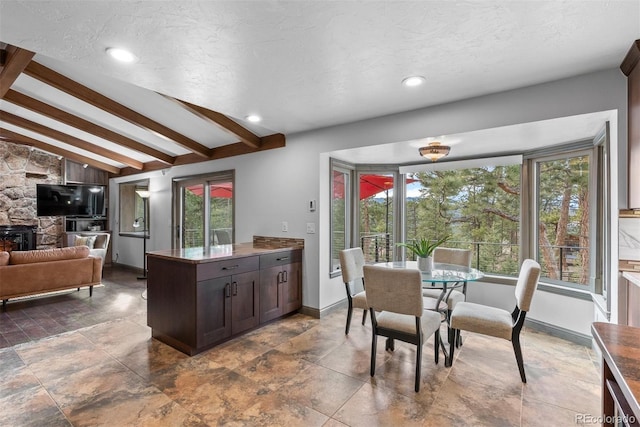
{"points": [[479, 208], [376, 215], [340, 208], [204, 213], [132, 208], [562, 218], [554, 207]]}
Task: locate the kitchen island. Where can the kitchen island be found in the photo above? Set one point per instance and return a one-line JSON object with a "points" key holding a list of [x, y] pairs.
{"points": [[200, 297]]}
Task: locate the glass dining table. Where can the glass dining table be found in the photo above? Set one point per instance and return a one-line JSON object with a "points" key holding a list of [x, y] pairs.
{"points": [[444, 277]]}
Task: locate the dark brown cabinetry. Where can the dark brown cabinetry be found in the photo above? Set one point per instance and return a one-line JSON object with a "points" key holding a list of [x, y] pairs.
{"points": [[280, 284], [195, 302], [226, 306], [631, 68]]}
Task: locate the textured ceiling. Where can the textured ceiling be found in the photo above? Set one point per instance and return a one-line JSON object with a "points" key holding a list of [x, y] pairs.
{"points": [[310, 64]]}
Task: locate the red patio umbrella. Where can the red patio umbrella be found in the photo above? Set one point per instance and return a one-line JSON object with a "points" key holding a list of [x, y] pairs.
{"points": [[370, 184], [222, 190]]}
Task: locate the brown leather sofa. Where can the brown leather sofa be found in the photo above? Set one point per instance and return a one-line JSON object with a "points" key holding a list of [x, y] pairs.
{"points": [[24, 273]]}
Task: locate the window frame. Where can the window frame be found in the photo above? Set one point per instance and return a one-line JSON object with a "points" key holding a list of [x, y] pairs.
{"points": [[349, 171], [131, 206], [600, 216]]}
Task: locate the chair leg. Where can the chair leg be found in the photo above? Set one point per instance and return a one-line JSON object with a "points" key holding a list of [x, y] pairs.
{"points": [[349, 313], [452, 345], [374, 343], [418, 365], [458, 339], [436, 346], [390, 344], [518, 351], [364, 315], [90, 291]]}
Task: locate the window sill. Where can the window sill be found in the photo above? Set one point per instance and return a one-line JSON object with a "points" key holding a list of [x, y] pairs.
{"points": [[137, 235], [546, 287]]}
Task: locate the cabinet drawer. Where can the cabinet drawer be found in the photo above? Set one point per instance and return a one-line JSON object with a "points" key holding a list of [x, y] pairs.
{"points": [[210, 270], [280, 258]]}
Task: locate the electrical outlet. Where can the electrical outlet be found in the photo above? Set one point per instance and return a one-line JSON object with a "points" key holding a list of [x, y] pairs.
{"points": [[311, 228], [285, 226]]}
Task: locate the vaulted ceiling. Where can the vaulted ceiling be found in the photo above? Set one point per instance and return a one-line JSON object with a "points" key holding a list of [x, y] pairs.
{"points": [[33, 89], [204, 65]]}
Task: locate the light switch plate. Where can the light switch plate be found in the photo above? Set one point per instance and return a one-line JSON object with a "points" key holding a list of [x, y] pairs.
{"points": [[311, 228], [285, 226]]}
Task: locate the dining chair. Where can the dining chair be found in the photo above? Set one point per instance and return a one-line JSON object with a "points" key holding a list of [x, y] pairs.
{"points": [[496, 322], [450, 256], [457, 257], [397, 312], [351, 264]]}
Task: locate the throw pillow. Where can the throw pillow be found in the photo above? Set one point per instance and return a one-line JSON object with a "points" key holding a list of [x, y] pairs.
{"points": [[89, 241]]}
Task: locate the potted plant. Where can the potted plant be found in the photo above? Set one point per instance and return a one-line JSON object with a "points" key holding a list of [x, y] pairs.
{"points": [[423, 250]]}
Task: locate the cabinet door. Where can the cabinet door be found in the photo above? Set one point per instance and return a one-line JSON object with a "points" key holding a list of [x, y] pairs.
{"points": [[213, 310], [291, 288], [245, 298], [270, 294]]}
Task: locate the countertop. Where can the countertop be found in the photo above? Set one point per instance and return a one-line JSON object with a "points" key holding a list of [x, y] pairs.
{"points": [[219, 252], [632, 277], [620, 346]]}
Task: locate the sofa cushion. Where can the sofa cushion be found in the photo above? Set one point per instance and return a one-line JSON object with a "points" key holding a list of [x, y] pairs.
{"points": [[44, 255], [88, 241], [4, 258]]}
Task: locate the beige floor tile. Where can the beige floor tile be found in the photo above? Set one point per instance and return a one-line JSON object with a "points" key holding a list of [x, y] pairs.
{"points": [[321, 389], [564, 391], [541, 414], [378, 406], [468, 403]]}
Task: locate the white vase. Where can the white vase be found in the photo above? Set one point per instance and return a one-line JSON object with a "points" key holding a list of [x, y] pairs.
{"points": [[425, 264]]}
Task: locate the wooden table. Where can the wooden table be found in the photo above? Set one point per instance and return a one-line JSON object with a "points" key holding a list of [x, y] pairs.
{"points": [[620, 347]]}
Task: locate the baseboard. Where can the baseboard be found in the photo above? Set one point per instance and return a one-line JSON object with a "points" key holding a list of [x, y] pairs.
{"points": [[318, 314], [556, 331]]}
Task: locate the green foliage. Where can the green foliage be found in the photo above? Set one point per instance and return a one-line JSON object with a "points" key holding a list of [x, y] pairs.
{"points": [[423, 247]]}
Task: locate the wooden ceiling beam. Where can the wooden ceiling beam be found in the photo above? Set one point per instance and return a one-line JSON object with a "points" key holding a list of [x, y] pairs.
{"points": [[69, 119], [270, 142], [16, 61], [60, 82], [17, 138], [68, 139], [222, 121]]}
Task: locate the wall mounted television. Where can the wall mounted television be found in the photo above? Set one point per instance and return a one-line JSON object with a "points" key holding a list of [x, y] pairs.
{"points": [[79, 200]]}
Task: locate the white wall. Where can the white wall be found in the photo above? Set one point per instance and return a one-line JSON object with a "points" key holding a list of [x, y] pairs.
{"points": [[276, 185]]}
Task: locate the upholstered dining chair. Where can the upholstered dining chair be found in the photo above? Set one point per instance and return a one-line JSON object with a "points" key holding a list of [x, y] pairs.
{"points": [[397, 311], [497, 322], [351, 263], [456, 257]]}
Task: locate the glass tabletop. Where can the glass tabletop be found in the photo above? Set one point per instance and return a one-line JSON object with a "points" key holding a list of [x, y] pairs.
{"points": [[442, 273]]}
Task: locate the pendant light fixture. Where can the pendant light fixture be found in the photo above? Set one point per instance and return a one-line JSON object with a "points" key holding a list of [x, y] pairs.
{"points": [[434, 151]]}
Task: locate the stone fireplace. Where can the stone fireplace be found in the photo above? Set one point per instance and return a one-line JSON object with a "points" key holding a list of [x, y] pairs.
{"points": [[21, 168]]}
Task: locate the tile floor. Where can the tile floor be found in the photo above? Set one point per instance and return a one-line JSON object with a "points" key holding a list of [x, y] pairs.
{"points": [[74, 360]]}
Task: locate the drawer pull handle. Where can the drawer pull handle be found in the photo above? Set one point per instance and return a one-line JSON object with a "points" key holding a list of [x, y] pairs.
{"points": [[227, 290], [235, 288], [232, 267], [284, 258]]}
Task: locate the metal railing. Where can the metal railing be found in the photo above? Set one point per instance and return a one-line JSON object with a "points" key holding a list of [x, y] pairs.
{"points": [[377, 247], [492, 258]]}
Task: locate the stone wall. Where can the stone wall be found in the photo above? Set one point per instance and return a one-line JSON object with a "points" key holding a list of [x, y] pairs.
{"points": [[21, 168]]}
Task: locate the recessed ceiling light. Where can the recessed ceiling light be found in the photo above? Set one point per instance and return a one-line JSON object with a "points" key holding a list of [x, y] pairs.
{"points": [[253, 118], [413, 81], [121, 54]]}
